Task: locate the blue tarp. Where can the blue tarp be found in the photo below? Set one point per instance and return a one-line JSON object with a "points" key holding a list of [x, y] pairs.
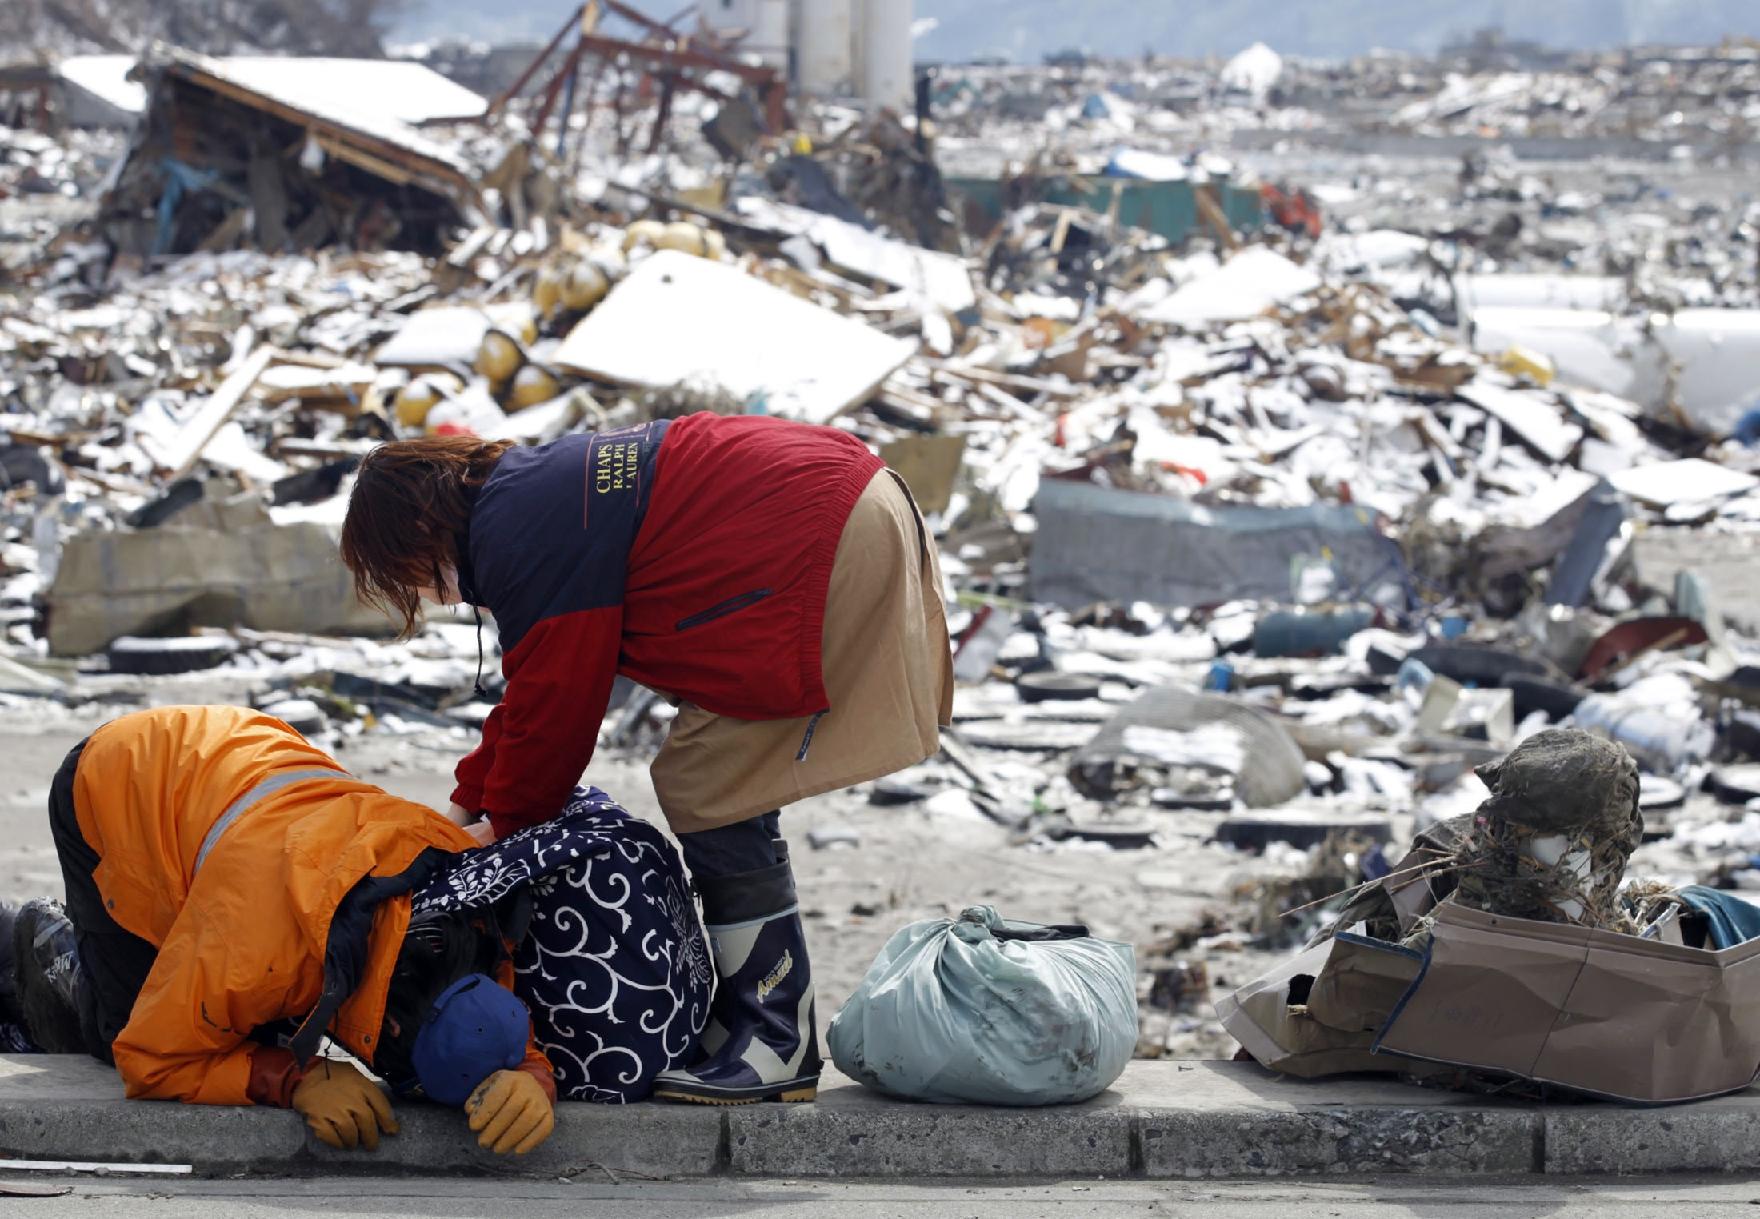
{"points": [[1732, 920], [1098, 543]]}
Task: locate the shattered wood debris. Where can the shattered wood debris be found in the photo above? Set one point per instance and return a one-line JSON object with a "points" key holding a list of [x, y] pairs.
{"points": [[1280, 497], [304, 152]]}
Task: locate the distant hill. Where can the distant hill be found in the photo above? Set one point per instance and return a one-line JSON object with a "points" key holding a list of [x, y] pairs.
{"points": [[36, 29], [1025, 30], [1330, 29]]}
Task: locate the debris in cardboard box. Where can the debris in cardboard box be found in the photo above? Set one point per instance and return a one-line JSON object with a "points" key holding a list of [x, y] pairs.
{"points": [[1265, 515], [1472, 917], [1553, 840]]}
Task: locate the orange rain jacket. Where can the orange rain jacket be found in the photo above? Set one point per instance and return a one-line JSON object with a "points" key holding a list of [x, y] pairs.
{"points": [[241, 939]]}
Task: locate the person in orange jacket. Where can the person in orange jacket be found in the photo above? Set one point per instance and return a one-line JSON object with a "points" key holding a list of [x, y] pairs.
{"points": [[232, 897]]}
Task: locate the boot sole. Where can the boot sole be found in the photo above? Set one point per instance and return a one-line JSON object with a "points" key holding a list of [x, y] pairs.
{"points": [[790, 1096], [47, 1019]]}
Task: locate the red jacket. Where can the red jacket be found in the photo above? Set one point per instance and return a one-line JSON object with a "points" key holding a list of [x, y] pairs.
{"points": [[693, 556]]}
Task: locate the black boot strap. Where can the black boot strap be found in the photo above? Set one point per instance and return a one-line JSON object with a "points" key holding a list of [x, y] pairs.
{"points": [[746, 897]]}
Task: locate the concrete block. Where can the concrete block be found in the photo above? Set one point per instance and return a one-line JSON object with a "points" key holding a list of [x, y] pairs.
{"points": [[638, 1140], [1162, 1119], [1228, 1119], [212, 1139], [65, 1107], [1721, 1135], [1244, 1143], [851, 1131]]}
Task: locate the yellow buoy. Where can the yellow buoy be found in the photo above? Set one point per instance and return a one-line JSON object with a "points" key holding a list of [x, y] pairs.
{"points": [[547, 291], [420, 395], [643, 232], [414, 401], [499, 357], [531, 385], [585, 286], [683, 236]]}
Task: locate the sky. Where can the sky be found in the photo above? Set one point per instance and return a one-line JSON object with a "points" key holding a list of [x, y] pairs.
{"points": [[1025, 30]]}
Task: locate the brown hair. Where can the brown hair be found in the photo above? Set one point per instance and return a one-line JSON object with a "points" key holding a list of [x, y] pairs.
{"points": [[410, 509]]}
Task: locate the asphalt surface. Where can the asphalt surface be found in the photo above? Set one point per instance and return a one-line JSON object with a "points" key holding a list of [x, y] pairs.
{"points": [[360, 1197]]}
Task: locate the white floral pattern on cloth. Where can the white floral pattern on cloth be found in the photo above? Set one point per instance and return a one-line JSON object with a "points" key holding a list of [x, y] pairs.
{"points": [[614, 965]]}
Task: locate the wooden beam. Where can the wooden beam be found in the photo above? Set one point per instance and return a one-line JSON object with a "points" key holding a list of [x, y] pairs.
{"points": [[663, 111], [570, 65], [366, 161], [667, 57], [531, 69], [1205, 197], [212, 415], [387, 150]]}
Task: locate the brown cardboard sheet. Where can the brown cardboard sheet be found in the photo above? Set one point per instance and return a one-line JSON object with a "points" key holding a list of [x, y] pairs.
{"points": [[1290, 1037], [1608, 1014]]}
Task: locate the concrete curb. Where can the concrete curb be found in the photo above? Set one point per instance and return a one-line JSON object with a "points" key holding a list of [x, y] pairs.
{"points": [[1162, 1119]]}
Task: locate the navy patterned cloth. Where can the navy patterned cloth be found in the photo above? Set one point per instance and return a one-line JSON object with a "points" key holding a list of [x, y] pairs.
{"points": [[613, 963]]}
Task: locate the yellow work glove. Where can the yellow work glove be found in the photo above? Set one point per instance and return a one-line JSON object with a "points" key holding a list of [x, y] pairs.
{"points": [[510, 1113], [342, 1106]]}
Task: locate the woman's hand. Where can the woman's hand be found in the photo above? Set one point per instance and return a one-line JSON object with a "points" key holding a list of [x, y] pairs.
{"points": [[482, 831], [459, 815]]}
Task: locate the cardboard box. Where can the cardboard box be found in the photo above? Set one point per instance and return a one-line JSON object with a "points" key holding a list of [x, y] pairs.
{"points": [[1614, 1016], [1275, 1018]]}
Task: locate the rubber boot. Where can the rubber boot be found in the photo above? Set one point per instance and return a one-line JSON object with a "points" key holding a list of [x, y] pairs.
{"points": [[9, 1009], [762, 1042], [46, 965]]}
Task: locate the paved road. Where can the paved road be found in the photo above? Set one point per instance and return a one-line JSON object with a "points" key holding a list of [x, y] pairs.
{"points": [[406, 1198]]}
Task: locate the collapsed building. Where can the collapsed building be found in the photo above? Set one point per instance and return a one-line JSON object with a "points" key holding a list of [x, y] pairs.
{"points": [[306, 153]]}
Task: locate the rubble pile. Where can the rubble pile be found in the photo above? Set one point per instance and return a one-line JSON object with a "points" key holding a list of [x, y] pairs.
{"points": [[1521, 909], [71, 166], [1665, 96], [1553, 840], [1258, 542], [1653, 93]]}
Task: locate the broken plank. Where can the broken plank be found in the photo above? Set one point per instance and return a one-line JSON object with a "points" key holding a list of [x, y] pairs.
{"points": [[227, 232], [1008, 380], [183, 450], [1533, 418], [1007, 402], [465, 252], [327, 449], [379, 167]]}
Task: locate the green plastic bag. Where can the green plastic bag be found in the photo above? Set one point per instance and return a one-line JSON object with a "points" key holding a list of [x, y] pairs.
{"points": [[986, 1011]]}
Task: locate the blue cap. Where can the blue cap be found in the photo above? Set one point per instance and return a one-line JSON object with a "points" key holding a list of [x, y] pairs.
{"points": [[476, 1028]]}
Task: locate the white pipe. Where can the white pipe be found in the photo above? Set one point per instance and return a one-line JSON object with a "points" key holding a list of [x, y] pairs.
{"points": [[768, 40], [885, 53], [94, 1166], [827, 42]]}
